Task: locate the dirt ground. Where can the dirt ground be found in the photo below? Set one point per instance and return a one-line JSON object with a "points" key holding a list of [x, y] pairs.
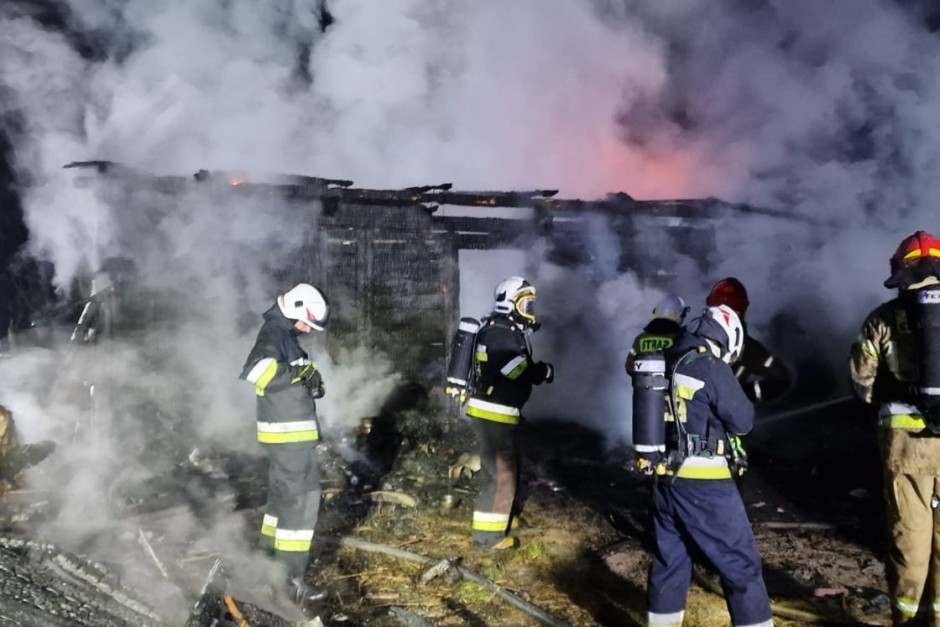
{"points": [[812, 494], [392, 515]]}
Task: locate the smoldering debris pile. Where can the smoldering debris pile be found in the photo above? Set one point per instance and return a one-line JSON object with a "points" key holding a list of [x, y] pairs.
{"points": [[42, 585]]}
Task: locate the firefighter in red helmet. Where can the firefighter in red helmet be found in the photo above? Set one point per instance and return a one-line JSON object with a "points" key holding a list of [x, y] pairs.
{"points": [[763, 376], [895, 366]]}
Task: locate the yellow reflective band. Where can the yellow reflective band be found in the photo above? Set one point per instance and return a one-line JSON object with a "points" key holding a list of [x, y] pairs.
{"points": [[868, 347], [288, 438], [515, 367], [265, 378], [482, 356], [484, 414], [490, 521], [916, 253], [299, 546], [485, 410], [268, 525], [687, 386], [287, 432], [293, 539], [696, 472], [907, 607], [903, 421], [698, 467]]}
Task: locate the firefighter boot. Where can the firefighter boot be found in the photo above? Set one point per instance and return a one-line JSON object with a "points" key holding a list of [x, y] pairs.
{"points": [[303, 594]]}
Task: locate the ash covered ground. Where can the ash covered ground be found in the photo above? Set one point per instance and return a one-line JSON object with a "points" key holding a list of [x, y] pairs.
{"points": [[397, 503]]}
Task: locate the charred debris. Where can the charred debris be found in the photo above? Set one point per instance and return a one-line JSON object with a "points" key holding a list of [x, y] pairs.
{"points": [[390, 261]]}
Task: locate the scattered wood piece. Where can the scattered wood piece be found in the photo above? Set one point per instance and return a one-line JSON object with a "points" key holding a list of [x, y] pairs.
{"points": [[781, 524], [517, 602], [142, 540], [196, 557], [776, 608], [435, 571], [830, 592], [209, 597], [235, 612], [382, 597], [396, 498]]}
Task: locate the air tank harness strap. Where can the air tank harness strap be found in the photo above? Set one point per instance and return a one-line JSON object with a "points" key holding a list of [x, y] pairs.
{"points": [[684, 443], [710, 446]]}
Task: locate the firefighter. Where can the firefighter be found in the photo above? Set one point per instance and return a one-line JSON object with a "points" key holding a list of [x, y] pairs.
{"points": [[645, 364], [696, 504], [287, 385], [661, 332], [503, 375], [891, 367], [763, 376]]}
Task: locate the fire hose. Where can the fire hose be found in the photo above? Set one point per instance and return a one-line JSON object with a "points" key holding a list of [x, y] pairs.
{"points": [[799, 411]]}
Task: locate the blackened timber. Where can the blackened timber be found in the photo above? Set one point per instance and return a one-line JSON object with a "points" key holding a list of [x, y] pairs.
{"points": [[415, 196]]}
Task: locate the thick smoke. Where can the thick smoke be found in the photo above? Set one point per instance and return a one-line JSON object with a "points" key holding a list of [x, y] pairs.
{"points": [[826, 112]]}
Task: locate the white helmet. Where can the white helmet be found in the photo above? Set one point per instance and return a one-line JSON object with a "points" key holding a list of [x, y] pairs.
{"points": [[515, 297], [672, 308], [305, 303], [723, 326]]}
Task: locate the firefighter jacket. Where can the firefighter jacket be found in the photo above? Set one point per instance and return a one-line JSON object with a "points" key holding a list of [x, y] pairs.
{"points": [[763, 376], [279, 369], [503, 371], [883, 371], [658, 335], [711, 407]]}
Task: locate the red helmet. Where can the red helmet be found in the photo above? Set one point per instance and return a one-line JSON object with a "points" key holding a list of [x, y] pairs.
{"points": [[729, 291], [917, 257]]}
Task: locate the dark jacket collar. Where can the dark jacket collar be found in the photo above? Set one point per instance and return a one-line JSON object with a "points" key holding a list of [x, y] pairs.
{"points": [[274, 315]]}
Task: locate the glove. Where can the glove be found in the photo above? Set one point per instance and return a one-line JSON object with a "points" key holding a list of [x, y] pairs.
{"points": [[310, 377], [738, 455], [549, 372], [650, 463]]}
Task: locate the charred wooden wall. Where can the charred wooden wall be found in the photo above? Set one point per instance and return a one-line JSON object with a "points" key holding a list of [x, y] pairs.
{"points": [[388, 259]]}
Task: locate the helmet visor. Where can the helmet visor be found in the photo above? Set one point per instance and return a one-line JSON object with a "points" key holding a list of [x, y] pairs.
{"points": [[525, 306]]}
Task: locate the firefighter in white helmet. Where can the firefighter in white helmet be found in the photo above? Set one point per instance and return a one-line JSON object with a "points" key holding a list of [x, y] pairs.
{"points": [[501, 383], [697, 509], [287, 385]]}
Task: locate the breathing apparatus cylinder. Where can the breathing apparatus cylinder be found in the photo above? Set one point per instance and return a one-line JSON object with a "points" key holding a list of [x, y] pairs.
{"points": [[928, 358], [461, 357], [649, 409]]}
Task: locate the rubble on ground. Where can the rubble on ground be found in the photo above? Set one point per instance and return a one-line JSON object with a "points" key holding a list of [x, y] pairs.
{"points": [[393, 543]]}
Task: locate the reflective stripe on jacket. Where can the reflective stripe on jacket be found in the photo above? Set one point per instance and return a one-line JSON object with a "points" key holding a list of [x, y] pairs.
{"points": [[286, 410], [710, 406], [504, 371]]}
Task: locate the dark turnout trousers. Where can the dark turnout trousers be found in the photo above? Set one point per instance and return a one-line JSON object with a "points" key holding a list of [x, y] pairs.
{"points": [[499, 459], [293, 503], [708, 515]]}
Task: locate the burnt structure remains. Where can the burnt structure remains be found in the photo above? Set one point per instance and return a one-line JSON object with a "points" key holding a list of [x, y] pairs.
{"points": [[389, 258]]}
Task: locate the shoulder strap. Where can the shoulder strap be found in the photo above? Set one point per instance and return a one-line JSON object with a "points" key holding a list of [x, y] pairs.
{"points": [[682, 436]]}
